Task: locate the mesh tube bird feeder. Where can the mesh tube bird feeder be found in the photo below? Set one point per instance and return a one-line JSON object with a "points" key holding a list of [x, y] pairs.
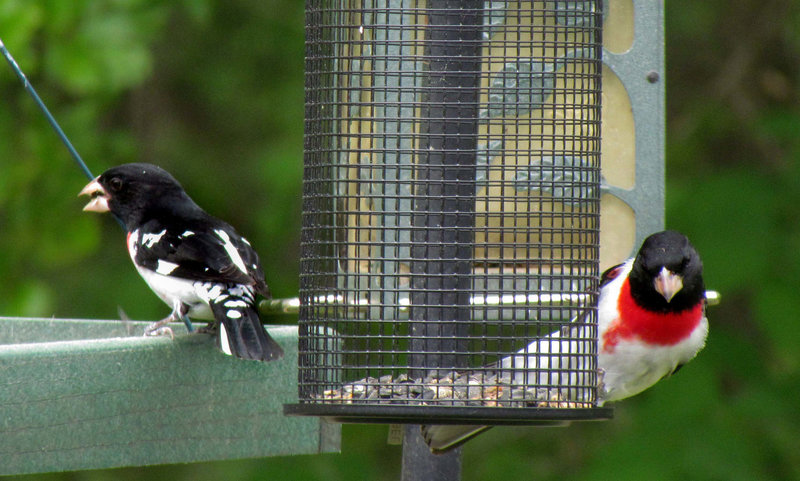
{"points": [[451, 211]]}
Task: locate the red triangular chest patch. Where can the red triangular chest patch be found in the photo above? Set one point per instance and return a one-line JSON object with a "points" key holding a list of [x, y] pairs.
{"points": [[660, 329]]}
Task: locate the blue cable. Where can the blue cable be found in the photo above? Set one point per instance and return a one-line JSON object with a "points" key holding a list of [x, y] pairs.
{"points": [[43, 108]]}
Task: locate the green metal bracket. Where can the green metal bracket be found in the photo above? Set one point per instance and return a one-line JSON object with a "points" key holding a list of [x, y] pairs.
{"points": [[84, 394]]}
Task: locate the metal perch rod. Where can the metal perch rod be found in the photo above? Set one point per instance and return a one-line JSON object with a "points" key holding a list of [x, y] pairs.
{"points": [[292, 305]]}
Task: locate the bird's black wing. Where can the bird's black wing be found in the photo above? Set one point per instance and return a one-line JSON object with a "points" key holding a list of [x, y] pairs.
{"points": [[610, 274], [204, 252]]}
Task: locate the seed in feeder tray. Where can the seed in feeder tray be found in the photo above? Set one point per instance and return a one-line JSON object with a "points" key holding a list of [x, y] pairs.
{"points": [[428, 394], [491, 395], [443, 392], [475, 389], [492, 392], [335, 395], [451, 389]]}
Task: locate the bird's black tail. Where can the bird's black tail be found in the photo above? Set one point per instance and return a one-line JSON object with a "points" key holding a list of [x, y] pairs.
{"points": [[240, 331]]}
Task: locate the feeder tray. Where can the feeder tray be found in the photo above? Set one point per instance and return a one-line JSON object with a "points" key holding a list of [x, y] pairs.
{"points": [[451, 212]]}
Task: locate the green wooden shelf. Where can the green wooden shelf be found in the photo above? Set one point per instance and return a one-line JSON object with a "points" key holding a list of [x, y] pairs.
{"points": [[88, 394]]}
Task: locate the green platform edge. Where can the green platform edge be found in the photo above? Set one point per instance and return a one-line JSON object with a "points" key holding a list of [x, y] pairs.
{"points": [[88, 394]]}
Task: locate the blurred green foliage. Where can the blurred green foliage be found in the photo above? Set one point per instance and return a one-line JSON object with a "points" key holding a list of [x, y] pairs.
{"points": [[212, 91]]}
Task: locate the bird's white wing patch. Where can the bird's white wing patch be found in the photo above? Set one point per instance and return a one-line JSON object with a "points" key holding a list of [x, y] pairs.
{"points": [[241, 291], [224, 345], [148, 240], [208, 291], [233, 253], [165, 267], [235, 303]]}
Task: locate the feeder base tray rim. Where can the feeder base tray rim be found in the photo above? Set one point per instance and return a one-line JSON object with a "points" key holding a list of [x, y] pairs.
{"points": [[448, 415]]}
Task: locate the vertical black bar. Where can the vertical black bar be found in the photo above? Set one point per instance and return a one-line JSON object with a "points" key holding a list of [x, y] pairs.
{"points": [[420, 465], [444, 199], [444, 212]]}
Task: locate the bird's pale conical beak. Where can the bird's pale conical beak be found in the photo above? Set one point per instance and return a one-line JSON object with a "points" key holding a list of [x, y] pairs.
{"points": [[99, 201], [667, 283]]}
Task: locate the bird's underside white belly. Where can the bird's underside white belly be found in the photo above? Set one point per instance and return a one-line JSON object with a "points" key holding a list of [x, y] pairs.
{"points": [[174, 290]]}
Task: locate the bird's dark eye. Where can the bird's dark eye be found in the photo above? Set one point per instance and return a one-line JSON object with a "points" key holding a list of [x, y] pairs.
{"points": [[115, 184]]}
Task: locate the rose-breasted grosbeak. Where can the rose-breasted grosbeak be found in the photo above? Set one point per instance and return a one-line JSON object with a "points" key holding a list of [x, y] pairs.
{"points": [[651, 321], [199, 265]]}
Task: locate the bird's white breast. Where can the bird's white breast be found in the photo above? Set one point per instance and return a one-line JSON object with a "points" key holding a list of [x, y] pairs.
{"points": [[173, 290], [634, 365]]}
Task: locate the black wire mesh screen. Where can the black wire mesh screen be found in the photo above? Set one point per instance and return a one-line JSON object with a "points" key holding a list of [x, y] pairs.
{"points": [[451, 206]]}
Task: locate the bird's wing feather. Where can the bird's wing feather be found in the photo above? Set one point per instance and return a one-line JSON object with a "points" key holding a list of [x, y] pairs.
{"points": [[216, 255], [611, 273]]}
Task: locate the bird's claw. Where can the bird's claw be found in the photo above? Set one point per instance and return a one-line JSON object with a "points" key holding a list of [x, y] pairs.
{"points": [[159, 329]]}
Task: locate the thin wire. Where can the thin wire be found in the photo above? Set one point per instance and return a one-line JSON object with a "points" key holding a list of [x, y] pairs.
{"points": [[53, 123], [43, 108]]}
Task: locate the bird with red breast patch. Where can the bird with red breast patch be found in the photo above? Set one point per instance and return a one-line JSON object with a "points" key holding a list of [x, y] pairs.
{"points": [[651, 321], [197, 264], [651, 315]]}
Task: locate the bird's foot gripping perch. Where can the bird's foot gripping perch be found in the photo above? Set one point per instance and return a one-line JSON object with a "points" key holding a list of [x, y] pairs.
{"points": [[160, 328]]}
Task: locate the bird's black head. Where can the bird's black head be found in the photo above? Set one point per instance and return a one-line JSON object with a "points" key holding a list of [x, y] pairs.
{"points": [[134, 192], [667, 274]]}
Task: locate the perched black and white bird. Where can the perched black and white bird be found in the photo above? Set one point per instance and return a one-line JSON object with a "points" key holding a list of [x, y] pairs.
{"points": [[651, 321], [199, 265]]}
